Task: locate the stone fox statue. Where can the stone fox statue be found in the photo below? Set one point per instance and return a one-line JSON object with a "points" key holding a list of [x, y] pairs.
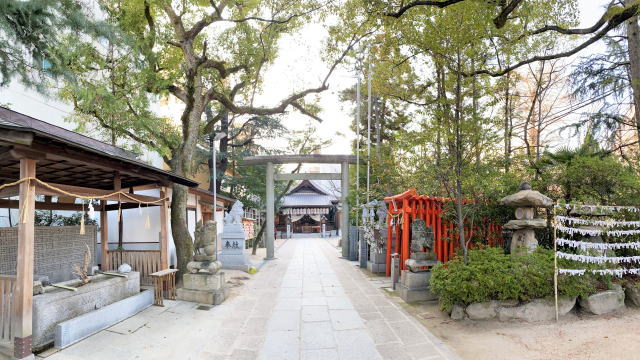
{"points": [[205, 235]]}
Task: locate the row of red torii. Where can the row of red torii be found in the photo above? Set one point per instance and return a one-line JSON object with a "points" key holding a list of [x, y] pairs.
{"points": [[408, 206]]}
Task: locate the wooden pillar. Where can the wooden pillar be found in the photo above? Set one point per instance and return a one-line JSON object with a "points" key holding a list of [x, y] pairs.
{"points": [[104, 236], [164, 235], [117, 186], [270, 221], [23, 295], [406, 216], [344, 218]]}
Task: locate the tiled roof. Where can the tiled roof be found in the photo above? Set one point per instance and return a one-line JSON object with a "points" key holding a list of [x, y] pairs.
{"points": [[12, 120], [17, 120], [306, 200], [8, 123]]}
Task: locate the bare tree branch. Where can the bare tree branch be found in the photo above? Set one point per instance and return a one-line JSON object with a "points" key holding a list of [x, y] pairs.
{"points": [[405, 8], [500, 20], [213, 94], [178, 92], [277, 21], [614, 22], [606, 18], [222, 69], [306, 112]]}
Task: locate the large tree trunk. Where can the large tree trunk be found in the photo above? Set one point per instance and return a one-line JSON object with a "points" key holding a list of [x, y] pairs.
{"points": [[224, 150], [179, 229], [181, 164], [633, 45]]}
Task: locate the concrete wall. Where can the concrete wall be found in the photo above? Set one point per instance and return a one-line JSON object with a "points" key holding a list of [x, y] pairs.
{"points": [[57, 248]]}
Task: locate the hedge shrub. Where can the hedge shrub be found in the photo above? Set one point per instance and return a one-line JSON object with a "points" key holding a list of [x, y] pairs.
{"points": [[492, 275]]}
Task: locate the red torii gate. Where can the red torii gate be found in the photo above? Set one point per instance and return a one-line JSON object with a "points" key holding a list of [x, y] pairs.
{"points": [[408, 206]]}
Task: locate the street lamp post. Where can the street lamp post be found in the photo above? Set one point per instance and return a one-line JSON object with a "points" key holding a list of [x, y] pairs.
{"points": [[214, 173]]}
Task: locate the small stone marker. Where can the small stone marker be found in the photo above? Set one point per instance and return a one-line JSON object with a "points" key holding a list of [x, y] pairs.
{"points": [[233, 237]]}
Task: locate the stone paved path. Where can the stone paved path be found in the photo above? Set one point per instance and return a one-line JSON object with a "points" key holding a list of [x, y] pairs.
{"points": [[307, 304]]}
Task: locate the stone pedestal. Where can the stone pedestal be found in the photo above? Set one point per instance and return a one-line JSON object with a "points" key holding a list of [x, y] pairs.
{"points": [[204, 288], [414, 286], [377, 262], [524, 239], [233, 255]]}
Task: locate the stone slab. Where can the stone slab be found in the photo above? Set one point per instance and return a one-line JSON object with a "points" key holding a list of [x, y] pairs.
{"points": [[376, 268], [527, 198], [233, 256], [537, 309], [411, 295], [524, 224], [203, 281], [604, 302], [234, 261], [482, 311], [71, 331], [234, 246], [203, 297], [632, 294], [422, 265], [415, 280], [378, 258], [457, 313]]}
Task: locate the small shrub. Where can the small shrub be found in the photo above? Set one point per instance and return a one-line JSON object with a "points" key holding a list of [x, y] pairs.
{"points": [[493, 275]]}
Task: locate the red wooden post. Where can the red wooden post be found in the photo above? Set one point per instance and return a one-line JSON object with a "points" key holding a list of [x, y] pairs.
{"points": [[439, 230], [405, 233], [389, 241]]}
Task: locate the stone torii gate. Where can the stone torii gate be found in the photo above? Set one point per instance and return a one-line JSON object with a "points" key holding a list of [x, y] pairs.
{"points": [[343, 176]]}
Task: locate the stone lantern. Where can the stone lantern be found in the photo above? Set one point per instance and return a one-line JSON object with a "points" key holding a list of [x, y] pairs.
{"points": [[525, 201]]}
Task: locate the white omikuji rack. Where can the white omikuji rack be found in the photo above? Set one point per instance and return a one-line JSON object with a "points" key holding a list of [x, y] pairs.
{"points": [[610, 228]]}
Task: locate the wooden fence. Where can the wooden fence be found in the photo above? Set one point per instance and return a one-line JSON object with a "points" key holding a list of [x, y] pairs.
{"points": [[7, 286], [406, 207], [145, 262]]}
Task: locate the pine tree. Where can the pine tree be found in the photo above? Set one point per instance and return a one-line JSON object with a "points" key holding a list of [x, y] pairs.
{"points": [[32, 35]]}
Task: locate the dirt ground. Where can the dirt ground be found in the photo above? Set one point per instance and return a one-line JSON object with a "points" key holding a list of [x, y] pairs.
{"points": [[576, 336]]}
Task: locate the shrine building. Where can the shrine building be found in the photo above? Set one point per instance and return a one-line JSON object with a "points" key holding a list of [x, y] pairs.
{"points": [[308, 207]]}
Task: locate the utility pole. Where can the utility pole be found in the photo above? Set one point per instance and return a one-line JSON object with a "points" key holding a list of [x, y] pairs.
{"points": [[358, 104], [214, 170], [369, 130]]}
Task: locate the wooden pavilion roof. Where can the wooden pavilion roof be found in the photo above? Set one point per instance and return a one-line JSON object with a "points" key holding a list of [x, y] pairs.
{"points": [[68, 158]]}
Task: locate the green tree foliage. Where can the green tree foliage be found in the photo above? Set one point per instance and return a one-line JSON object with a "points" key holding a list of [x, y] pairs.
{"points": [[32, 39], [50, 218], [603, 79], [589, 175]]}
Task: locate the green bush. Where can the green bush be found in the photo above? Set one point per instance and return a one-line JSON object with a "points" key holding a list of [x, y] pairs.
{"points": [[492, 275]]}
